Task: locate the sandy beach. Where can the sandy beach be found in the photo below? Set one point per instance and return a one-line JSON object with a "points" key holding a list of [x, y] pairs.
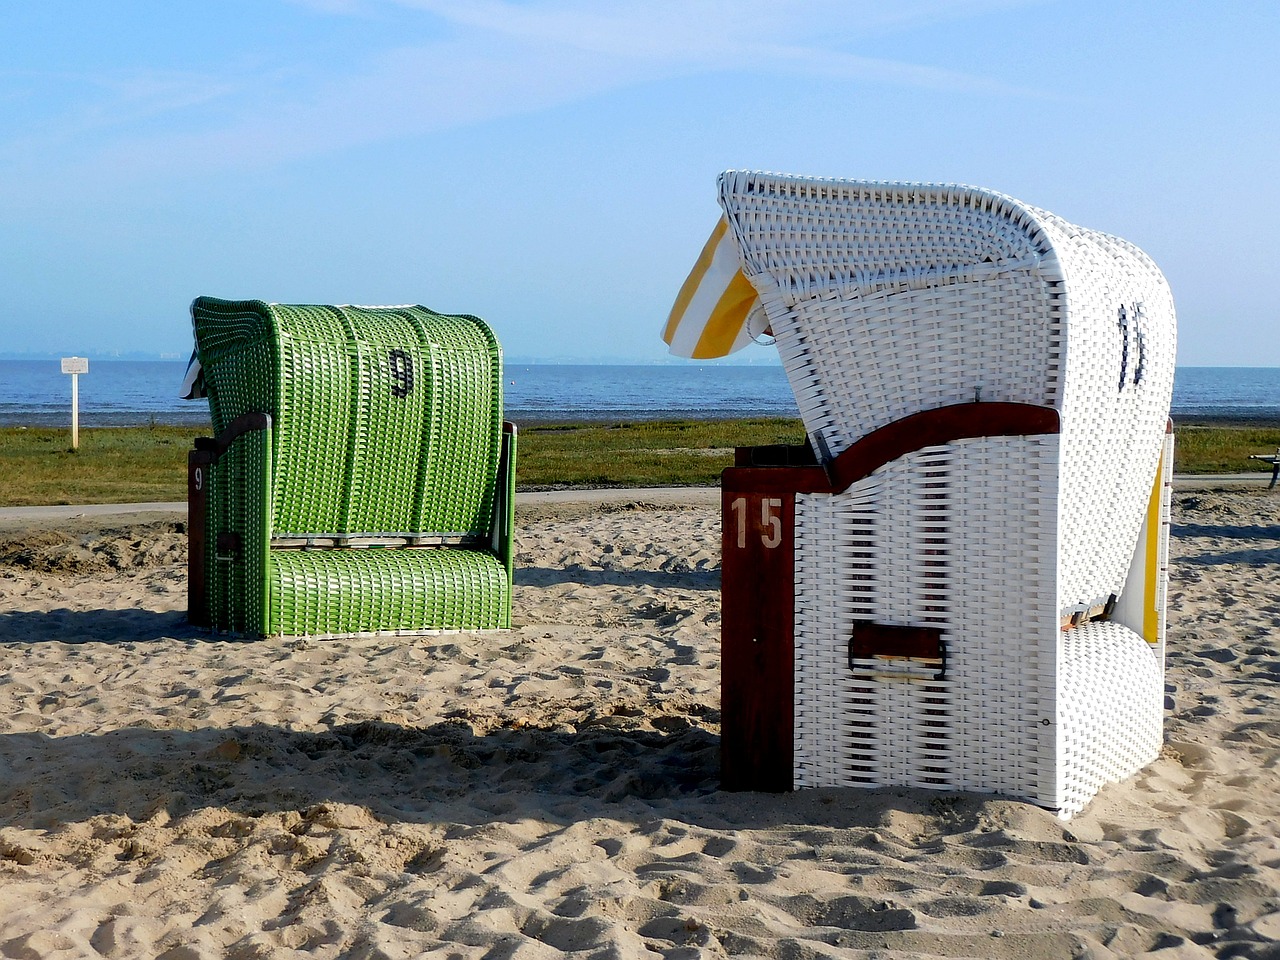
{"points": [[552, 790]]}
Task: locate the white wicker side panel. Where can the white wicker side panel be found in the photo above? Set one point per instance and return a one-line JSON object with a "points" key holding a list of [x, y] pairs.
{"points": [[1009, 626], [963, 537], [833, 586], [1110, 710], [1119, 363]]}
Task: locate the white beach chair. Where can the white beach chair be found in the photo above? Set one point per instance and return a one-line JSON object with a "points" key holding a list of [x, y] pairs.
{"points": [[964, 589]]}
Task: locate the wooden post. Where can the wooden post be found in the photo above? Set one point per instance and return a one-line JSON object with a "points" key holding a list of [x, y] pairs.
{"points": [[757, 624], [199, 462], [757, 637]]}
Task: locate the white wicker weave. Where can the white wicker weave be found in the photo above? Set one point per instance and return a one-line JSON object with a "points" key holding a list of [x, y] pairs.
{"points": [[891, 299]]}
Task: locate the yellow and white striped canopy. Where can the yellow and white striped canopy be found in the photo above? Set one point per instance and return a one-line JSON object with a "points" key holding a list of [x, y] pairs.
{"points": [[718, 311]]}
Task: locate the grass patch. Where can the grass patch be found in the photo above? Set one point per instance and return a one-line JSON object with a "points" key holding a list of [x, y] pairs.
{"points": [[644, 454], [1222, 449], [136, 464], [139, 464], [113, 465]]}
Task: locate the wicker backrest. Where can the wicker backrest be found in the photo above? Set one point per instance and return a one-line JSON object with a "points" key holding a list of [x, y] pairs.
{"points": [[387, 420], [891, 298]]}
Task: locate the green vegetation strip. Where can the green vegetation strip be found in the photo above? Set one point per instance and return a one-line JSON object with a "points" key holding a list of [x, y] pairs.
{"points": [[129, 465], [116, 465], [1223, 449], [645, 454]]}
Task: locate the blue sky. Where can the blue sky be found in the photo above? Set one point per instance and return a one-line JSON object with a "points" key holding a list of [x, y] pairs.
{"points": [[550, 164]]}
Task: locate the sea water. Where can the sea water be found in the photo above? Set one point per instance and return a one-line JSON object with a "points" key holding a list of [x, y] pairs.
{"points": [[138, 392]]}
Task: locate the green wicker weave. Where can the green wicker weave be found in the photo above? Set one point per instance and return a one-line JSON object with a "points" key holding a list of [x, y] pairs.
{"points": [[385, 433]]}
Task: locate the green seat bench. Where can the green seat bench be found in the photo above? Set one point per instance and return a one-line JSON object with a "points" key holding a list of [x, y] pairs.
{"points": [[361, 478]]}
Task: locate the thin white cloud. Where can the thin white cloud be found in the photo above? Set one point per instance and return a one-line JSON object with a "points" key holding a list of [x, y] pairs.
{"points": [[489, 58], [721, 34], [126, 98], [82, 113], [672, 25]]}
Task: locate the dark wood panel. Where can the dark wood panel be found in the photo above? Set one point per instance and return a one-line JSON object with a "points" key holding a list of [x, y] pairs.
{"points": [[930, 428], [757, 635], [198, 462]]}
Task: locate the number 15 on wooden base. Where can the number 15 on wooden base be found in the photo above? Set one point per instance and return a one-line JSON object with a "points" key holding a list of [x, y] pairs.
{"points": [[757, 590]]}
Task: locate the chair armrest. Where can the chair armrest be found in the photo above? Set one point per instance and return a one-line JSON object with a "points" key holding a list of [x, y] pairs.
{"points": [[238, 427], [504, 507]]}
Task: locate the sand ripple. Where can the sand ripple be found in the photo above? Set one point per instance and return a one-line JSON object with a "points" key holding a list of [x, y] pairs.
{"points": [[552, 790]]}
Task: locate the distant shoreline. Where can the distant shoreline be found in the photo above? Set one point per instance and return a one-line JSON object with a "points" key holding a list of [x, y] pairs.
{"points": [[559, 418], [143, 393], [1234, 420]]}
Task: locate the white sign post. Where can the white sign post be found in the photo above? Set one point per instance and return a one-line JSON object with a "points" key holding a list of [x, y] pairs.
{"points": [[75, 366]]}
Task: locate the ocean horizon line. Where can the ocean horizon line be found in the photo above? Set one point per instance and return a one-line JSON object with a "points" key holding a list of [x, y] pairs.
{"points": [[509, 360], [140, 392]]}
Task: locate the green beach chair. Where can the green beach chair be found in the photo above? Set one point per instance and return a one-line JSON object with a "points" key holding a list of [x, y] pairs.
{"points": [[361, 478]]}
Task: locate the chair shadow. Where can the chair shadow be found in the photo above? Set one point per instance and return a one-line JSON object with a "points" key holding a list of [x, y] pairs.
{"points": [[98, 626], [703, 579], [1266, 538], [1252, 532], [440, 773], [405, 770]]}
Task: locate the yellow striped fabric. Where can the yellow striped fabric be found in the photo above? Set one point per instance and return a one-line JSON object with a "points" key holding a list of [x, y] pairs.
{"points": [[709, 318]]}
